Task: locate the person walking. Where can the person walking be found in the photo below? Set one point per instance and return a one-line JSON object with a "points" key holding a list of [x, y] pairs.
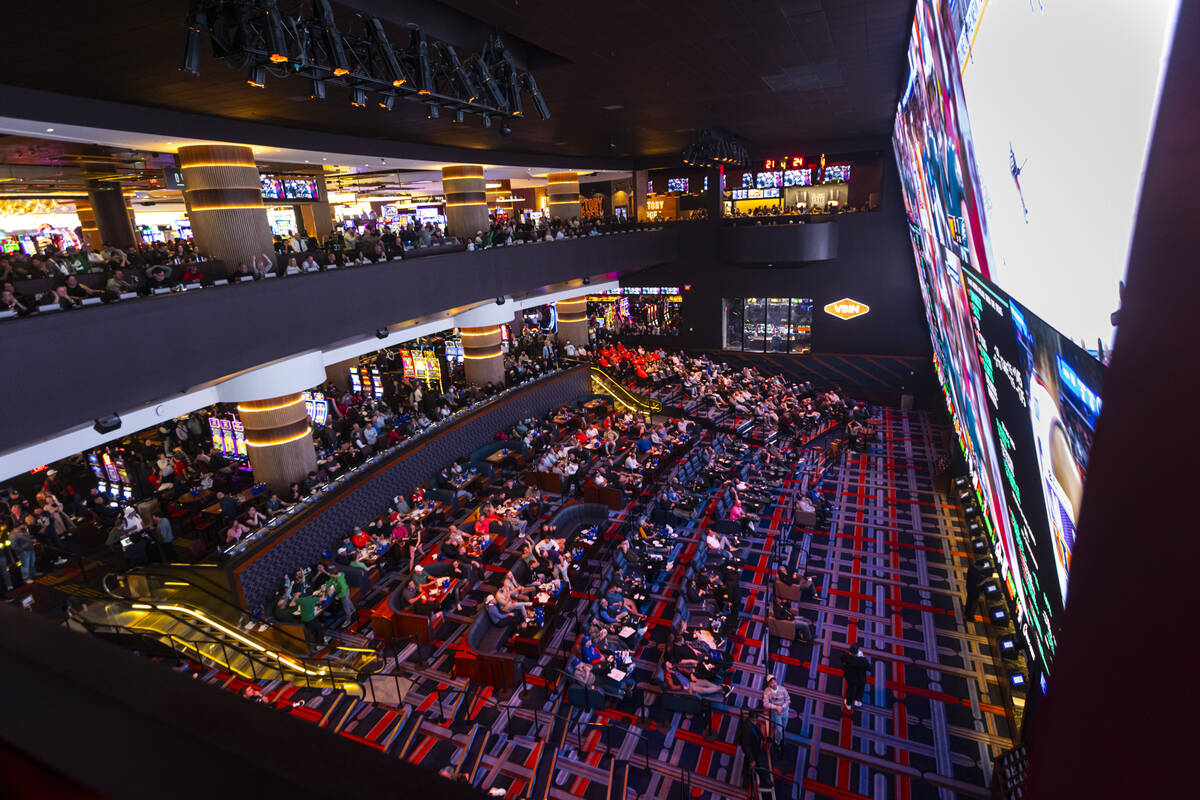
{"points": [[777, 702], [976, 580], [854, 670]]}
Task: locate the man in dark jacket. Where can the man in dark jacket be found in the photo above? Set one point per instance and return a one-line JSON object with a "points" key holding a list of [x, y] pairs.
{"points": [[854, 670], [976, 579]]}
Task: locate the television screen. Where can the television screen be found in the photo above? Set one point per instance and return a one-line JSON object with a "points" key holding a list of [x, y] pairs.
{"points": [[677, 184], [769, 180], [1044, 135], [797, 177], [837, 173], [275, 187]]}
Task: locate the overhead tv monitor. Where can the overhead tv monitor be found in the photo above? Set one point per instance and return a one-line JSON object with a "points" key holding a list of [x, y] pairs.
{"points": [[278, 187], [677, 184]]}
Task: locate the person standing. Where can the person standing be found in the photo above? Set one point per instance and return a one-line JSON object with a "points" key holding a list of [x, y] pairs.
{"points": [[309, 606], [976, 579], [165, 537], [776, 701], [854, 670], [749, 739], [25, 549]]}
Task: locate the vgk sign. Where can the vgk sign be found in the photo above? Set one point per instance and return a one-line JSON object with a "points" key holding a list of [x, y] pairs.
{"points": [[847, 308]]}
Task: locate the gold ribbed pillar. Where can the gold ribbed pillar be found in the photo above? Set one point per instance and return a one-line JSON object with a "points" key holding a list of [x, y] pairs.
{"points": [[572, 321], [466, 200], [278, 439], [484, 358], [106, 217], [87, 224], [563, 189], [223, 195]]}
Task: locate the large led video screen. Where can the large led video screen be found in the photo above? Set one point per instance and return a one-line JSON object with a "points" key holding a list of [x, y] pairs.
{"points": [[1043, 400], [1060, 96], [1007, 261]]}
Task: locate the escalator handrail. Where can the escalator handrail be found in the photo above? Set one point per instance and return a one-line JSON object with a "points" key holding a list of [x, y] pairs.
{"points": [[251, 650], [650, 405]]}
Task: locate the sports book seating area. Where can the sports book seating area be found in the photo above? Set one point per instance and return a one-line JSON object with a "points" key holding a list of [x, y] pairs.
{"points": [[534, 644]]}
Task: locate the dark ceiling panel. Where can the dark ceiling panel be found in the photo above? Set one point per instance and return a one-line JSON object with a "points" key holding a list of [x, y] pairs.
{"points": [[776, 72]]}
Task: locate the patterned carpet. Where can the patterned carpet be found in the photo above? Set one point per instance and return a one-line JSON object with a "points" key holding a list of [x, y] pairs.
{"points": [[890, 564]]}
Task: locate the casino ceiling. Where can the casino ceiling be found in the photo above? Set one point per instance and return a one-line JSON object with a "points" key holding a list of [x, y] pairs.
{"points": [[623, 78]]}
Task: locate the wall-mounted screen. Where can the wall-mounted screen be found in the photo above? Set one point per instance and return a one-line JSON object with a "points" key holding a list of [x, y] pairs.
{"points": [[1007, 258], [677, 184], [767, 324], [837, 173], [278, 187]]}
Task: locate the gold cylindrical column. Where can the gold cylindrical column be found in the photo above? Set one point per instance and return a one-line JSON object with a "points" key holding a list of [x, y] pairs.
{"points": [[223, 195], [466, 200], [278, 439], [563, 189], [572, 321], [484, 360], [106, 216]]}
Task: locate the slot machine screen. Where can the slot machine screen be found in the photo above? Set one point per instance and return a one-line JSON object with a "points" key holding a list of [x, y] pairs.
{"points": [[110, 469], [119, 462], [309, 407], [127, 492], [355, 381], [215, 425], [227, 446], [406, 361], [377, 382], [239, 439], [320, 408], [102, 487], [94, 463]]}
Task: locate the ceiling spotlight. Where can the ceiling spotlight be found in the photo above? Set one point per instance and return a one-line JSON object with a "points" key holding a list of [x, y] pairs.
{"points": [[432, 111], [586, 280], [317, 89], [486, 120], [458, 117], [500, 300], [387, 101], [358, 97], [257, 76], [505, 130], [381, 333]]}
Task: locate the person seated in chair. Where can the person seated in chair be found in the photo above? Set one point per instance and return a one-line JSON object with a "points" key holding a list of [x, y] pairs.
{"points": [[501, 618]]}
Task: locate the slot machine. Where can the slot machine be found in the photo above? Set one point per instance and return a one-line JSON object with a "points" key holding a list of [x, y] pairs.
{"points": [[309, 405], [110, 469], [239, 440], [94, 463], [406, 358], [377, 383], [218, 441], [227, 445], [320, 408], [355, 381]]}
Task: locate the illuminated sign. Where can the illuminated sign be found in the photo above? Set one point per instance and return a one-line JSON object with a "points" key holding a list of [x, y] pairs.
{"points": [[755, 194], [847, 308], [654, 205], [787, 162]]}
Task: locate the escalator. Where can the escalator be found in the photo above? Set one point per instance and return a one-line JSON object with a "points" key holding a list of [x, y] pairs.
{"points": [[190, 621], [603, 383]]}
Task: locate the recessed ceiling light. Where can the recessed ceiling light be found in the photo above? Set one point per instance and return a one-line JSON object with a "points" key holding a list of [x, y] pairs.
{"points": [[49, 130]]}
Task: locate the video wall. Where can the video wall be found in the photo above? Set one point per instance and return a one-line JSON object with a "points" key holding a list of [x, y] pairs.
{"points": [[1020, 252]]}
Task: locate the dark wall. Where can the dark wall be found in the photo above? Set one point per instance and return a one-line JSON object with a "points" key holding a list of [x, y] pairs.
{"points": [[80, 365], [257, 572], [874, 265]]}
